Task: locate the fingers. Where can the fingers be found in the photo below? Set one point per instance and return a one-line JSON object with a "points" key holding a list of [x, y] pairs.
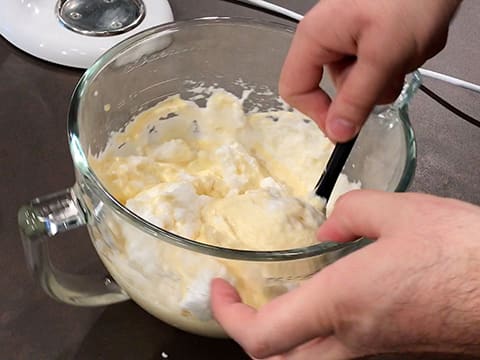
{"points": [[361, 84], [302, 72], [286, 322], [364, 213], [363, 64], [359, 92], [299, 87], [236, 318], [339, 71]]}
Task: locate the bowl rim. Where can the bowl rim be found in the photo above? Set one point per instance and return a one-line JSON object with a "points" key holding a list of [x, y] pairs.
{"points": [[80, 159]]}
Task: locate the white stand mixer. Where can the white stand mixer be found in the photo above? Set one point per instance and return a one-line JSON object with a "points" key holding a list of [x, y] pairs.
{"points": [[76, 32]]}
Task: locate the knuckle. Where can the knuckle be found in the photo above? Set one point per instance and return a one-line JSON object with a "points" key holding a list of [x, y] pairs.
{"points": [[339, 311], [345, 200], [360, 14], [381, 55], [309, 27], [355, 107], [259, 348], [305, 25]]}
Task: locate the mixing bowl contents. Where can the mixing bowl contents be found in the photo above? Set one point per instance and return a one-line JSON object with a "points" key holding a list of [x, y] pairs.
{"points": [[220, 176], [216, 175]]}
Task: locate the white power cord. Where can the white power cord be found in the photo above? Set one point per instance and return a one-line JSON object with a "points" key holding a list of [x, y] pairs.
{"points": [[275, 8], [449, 79], [427, 73]]}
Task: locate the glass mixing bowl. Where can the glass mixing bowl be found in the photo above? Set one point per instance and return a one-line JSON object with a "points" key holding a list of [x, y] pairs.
{"points": [[229, 53]]}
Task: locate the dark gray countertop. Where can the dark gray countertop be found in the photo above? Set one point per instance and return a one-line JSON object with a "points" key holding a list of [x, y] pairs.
{"points": [[34, 160]]}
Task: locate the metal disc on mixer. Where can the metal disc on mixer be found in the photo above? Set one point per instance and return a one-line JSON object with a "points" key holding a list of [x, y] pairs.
{"points": [[100, 17], [77, 32]]}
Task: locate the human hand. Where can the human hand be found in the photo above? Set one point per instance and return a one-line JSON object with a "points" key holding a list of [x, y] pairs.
{"points": [[368, 46], [416, 288]]}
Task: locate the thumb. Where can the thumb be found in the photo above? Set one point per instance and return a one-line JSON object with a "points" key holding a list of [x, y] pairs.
{"points": [[359, 92], [279, 326], [363, 213]]}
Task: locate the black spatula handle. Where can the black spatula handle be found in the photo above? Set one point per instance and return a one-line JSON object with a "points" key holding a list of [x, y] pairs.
{"points": [[335, 164]]}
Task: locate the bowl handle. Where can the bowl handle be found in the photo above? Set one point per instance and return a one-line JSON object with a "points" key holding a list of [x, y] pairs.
{"points": [[42, 219]]}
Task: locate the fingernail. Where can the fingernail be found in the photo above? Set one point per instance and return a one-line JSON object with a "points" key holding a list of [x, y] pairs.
{"points": [[340, 129]]}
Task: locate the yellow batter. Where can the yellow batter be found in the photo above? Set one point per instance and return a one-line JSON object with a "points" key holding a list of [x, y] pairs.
{"points": [[218, 175]]}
